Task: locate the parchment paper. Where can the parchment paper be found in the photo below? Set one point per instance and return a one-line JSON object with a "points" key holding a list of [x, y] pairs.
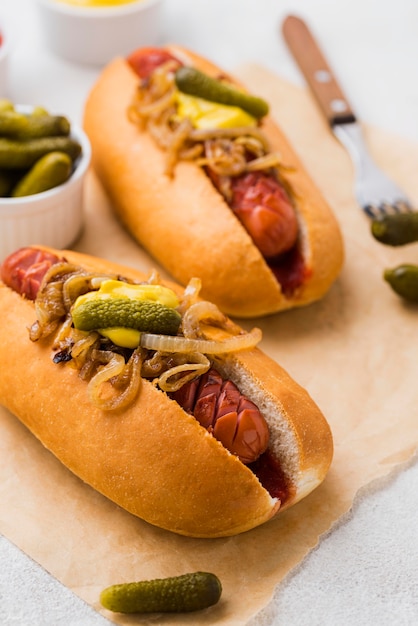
{"points": [[355, 352]]}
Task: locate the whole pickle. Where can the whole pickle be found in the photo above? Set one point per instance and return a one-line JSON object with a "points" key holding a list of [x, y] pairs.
{"points": [[23, 154], [49, 171], [178, 594], [396, 229], [44, 125], [12, 123], [404, 281], [195, 83]]}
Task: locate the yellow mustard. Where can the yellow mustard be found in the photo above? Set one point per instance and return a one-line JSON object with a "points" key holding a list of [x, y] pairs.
{"points": [[123, 337], [96, 3], [111, 310], [119, 289], [205, 114]]}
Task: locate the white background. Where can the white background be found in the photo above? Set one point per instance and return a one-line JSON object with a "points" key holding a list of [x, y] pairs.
{"points": [[365, 571]]}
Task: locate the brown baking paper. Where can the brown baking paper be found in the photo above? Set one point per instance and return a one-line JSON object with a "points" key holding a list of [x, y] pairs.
{"points": [[354, 352]]}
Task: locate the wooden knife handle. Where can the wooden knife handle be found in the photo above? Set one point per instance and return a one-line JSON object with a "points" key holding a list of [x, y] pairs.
{"points": [[317, 72]]}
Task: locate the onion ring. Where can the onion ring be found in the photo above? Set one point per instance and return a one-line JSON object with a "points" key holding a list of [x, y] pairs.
{"points": [[116, 367], [197, 368], [208, 312], [167, 343]]}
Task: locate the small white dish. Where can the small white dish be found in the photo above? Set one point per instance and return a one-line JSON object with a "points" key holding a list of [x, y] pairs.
{"points": [[52, 218], [96, 35]]}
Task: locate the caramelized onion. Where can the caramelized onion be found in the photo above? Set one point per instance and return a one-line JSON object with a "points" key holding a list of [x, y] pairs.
{"points": [[175, 377], [264, 162], [179, 139], [158, 106], [49, 305], [228, 152], [78, 284], [209, 313], [190, 295], [81, 348], [202, 134], [168, 343], [65, 334], [116, 367]]}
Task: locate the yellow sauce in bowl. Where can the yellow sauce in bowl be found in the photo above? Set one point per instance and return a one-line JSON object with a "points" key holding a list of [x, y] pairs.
{"points": [[96, 3]]}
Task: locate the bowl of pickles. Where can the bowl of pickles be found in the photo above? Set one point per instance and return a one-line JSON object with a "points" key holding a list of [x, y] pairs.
{"points": [[44, 159]]}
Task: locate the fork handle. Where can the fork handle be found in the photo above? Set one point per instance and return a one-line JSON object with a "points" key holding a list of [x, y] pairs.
{"points": [[317, 72]]}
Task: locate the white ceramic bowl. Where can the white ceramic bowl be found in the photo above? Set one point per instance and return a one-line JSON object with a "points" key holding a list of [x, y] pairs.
{"points": [[52, 218], [96, 35], [4, 58]]}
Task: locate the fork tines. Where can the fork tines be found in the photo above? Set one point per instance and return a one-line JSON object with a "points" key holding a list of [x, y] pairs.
{"points": [[387, 208]]}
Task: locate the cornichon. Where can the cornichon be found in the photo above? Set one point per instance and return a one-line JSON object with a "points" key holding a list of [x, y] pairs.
{"points": [[17, 125], [396, 229], [195, 83], [16, 154], [49, 171], [404, 281], [12, 122], [143, 315], [178, 594], [39, 110]]}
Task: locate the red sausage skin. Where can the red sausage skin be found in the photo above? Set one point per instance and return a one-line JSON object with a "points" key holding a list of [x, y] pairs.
{"points": [[145, 60], [265, 210], [232, 418], [24, 270]]}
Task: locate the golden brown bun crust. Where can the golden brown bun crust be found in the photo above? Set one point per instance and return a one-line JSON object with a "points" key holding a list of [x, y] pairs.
{"points": [[152, 459], [185, 223]]}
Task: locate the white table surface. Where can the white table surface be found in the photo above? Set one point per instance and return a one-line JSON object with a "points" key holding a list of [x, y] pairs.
{"points": [[365, 571]]}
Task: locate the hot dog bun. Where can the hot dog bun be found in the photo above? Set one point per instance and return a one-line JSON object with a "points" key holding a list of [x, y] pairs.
{"points": [[185, 223], [153, 459]]}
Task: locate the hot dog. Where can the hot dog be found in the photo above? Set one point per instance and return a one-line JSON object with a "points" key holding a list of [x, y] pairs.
{"points": [[195, 431], [232, 205]]}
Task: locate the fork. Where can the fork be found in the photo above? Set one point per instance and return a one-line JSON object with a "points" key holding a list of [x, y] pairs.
{"points": [[375, 192]]}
